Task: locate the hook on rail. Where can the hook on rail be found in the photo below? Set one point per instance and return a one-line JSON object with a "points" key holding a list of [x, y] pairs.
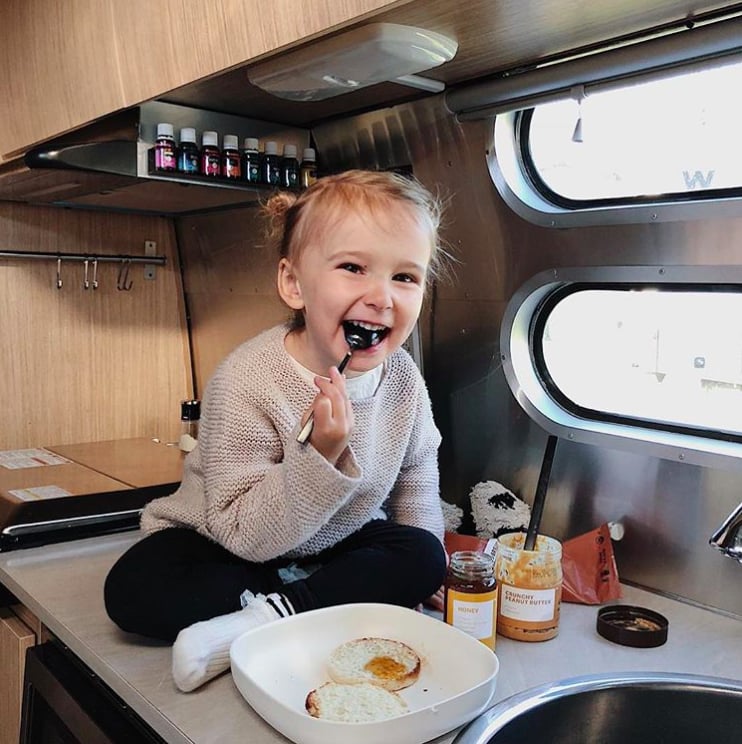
{"points": [[124, 282]]}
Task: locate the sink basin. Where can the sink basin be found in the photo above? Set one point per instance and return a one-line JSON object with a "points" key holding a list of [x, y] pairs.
{"points": [[615, 709]]}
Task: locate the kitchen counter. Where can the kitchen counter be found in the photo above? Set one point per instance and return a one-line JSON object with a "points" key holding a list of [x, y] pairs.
{"points": [[62, 585]]}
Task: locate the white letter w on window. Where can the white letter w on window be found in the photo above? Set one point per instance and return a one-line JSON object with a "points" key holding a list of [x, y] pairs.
{"points": [[698, 180]]}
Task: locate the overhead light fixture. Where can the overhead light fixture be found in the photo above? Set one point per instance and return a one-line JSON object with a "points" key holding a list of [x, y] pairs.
{"points": [[376, 53]]}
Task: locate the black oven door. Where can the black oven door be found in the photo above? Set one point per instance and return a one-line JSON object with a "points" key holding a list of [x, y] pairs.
{"points": [[65, 703]]}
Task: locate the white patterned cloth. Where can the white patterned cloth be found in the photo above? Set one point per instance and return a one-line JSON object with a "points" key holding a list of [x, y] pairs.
{"points": [[497, 510]]}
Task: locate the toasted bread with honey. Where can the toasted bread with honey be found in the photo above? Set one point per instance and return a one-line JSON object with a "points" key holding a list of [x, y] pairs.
{"points": [[359, 703], [389, 664]]}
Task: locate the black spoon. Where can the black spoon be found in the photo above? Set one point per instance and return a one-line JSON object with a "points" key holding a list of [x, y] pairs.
{"points": [[354, 341]]}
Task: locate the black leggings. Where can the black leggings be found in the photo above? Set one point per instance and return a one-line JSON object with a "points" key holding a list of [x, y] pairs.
{"points": [[176, 577]]}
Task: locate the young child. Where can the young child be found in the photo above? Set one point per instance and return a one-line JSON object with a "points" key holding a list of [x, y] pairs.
{"points": [[263, 526]]}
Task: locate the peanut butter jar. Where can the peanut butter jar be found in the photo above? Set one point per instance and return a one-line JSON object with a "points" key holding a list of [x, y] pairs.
{"points": [[529, 587]]}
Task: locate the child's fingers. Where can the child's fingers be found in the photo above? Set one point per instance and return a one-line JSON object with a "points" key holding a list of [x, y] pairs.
{"points": [[333, 389], [332, 413], [333, 416], [437, 600]]}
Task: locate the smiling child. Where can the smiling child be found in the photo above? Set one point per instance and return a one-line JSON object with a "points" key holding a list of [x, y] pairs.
{"points": [[263, 526]]}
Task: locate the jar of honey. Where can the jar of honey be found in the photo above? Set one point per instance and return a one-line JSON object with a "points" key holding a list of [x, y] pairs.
{"points": [[529, 587], [471, 595]]}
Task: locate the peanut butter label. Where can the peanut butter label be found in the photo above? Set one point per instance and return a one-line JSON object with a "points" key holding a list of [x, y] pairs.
{"points": [[531, 605], [475, 614]]}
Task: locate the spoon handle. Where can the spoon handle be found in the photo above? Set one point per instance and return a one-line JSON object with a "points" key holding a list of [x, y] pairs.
{"points": [[344, 362], [306, 430]]}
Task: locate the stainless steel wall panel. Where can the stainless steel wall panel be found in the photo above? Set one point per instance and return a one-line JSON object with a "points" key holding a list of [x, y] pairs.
{"points": [[669, 509]]}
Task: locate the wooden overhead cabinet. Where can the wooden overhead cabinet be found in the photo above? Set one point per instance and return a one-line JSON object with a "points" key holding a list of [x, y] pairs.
{"points": [[60, 68], [67, 64]]}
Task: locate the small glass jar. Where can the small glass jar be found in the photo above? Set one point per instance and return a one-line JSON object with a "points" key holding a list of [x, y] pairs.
{"points": [[471, 595], [190, 413], [529, 587]]}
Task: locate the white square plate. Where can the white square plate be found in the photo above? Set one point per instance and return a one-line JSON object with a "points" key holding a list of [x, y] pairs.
{"points": [[276, 665]]}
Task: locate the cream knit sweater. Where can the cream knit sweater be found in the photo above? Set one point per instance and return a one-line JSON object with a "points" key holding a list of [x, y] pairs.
{"points": [[251, 487]]}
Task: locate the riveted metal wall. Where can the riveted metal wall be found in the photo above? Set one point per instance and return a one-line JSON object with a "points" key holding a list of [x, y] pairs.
{"points": [[669, 509]]}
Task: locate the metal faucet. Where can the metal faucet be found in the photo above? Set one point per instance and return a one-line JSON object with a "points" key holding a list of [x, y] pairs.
{"points": [[728, 537]]}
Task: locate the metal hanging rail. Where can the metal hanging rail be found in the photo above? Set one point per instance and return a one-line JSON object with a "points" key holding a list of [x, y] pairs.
{"points": [[123, 281], [56, 256]]}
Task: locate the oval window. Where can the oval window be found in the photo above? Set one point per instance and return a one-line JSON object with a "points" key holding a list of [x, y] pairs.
{"points": [[665, 356]]}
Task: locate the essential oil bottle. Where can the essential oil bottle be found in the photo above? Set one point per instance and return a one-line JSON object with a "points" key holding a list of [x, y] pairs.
{"points": [[165, 148], [251, 160], [270, 166], [289, 167], [231, 166], [188, 154], [308, 169], [210, 155]]}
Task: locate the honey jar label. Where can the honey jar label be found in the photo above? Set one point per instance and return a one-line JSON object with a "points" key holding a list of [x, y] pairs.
{"points": [[475, 614], [531, 605]]}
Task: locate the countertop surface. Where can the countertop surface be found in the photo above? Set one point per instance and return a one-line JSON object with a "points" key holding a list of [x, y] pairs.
{"points": [[62, 585]]}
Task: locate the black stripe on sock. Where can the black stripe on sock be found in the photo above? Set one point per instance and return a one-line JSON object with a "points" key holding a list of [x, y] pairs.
{"points": [[289, 610], [280, 604], [276, 606]]}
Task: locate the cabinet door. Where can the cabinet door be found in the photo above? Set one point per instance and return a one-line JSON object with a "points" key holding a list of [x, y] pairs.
{"points": [[15, 638], [167, 44], [59, 68]]}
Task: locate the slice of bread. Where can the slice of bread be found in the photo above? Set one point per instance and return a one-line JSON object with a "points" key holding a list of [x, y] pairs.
{"points": [[389, 664], [361, 703]]}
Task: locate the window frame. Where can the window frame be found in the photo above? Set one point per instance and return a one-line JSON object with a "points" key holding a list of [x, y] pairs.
{"points": [[524, 319], [514, 179]]}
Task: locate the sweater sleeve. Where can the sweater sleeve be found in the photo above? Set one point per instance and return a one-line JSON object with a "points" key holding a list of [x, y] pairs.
{"points": [[415, 499], [264, 493]]}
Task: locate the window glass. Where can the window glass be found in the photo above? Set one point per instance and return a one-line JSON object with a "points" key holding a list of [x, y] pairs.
{"points": [[673, 357], [680, 135]]}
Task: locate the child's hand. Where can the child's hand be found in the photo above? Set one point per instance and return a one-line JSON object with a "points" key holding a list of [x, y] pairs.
{"points": [[436, 601], [333, 417]]}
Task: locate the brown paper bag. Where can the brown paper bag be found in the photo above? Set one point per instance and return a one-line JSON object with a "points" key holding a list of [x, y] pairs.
{"points": [[589, 568]]}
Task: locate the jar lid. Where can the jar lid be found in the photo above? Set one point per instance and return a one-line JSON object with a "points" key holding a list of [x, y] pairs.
{"points": [[188, 134], [628, 625], [190, 410]]}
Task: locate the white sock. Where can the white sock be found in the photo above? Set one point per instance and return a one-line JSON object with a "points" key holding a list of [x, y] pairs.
{"points": [[201, 651]]}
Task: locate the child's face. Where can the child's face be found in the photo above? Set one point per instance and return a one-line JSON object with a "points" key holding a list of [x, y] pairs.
{"points": [[367, 269]]}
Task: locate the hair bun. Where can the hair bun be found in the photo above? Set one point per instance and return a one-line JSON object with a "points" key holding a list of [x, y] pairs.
{"points": [[275, 210]]}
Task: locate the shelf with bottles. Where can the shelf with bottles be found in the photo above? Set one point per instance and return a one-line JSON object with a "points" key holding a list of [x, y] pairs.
{"points": [[228, 166], [178, 159]]}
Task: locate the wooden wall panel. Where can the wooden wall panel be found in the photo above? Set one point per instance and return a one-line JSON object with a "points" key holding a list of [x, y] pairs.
{"points": [[88, 365], [229, 278]]}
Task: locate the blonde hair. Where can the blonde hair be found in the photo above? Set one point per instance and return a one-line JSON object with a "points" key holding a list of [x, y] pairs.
{"points": [[295, 219]]}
